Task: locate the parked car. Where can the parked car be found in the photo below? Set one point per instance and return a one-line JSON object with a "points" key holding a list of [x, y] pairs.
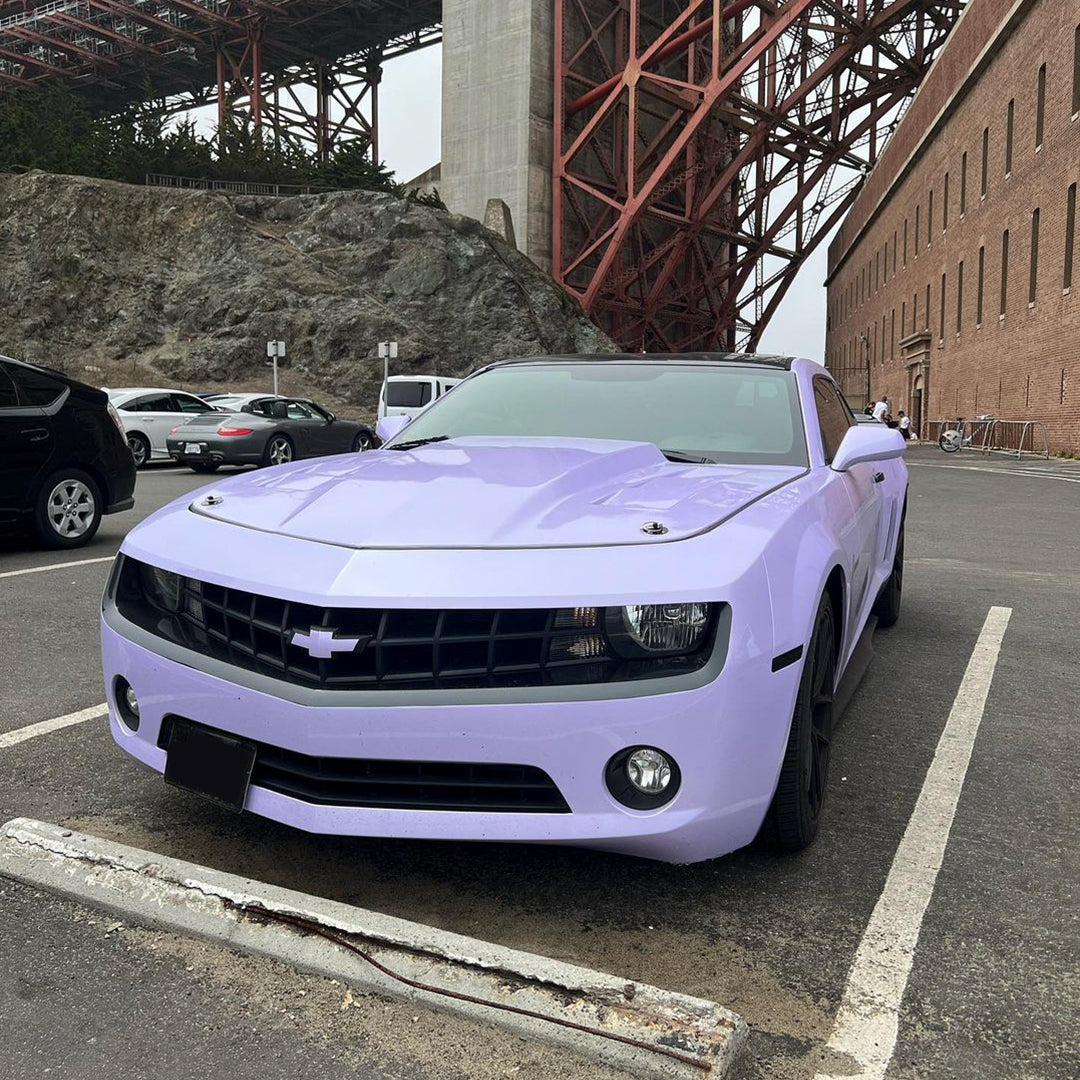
{"points": [[265, 430], [406, 395], [63, 458], [148, 415], [612, 601]]}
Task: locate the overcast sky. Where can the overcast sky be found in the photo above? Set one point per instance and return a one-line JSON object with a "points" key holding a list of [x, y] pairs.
{"points": [[409, 143]]}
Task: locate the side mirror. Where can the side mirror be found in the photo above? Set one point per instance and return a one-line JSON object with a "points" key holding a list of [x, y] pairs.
{"points": [[389, 426], [868, 442], [331, 416]]}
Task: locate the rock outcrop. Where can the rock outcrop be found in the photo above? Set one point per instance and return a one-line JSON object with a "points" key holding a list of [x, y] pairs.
{"points": [[192, 284]]}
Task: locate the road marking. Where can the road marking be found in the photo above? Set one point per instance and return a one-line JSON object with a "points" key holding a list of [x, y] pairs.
{"points": [[46, 727], [867, 1023], [56, 566], [1000, 472]]}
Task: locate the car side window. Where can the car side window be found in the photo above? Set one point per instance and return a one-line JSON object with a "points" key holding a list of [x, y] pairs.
{"points": [[8, 398], [187, 404], [297, 410], [149, 403], [35, 388], [833, 419]]}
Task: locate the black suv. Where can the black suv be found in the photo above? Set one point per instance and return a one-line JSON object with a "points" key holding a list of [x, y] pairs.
{"points": [[64, 460]]}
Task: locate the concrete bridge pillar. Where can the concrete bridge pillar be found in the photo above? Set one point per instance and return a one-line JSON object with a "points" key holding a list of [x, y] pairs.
{"points": [[498, 106]]}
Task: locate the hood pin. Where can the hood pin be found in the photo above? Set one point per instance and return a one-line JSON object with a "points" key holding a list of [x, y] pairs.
{"points": [[654, 528], [213, 500]]}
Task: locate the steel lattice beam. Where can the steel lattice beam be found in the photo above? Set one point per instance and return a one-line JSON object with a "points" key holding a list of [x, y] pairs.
{"points": [[705, 147], [307, 70]]}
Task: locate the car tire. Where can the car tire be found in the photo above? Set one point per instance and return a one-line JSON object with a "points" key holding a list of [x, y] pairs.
{"points": [[887, 607], [279, 450], [139, 446], [67, 510], [205, 466], [795, 813], [363, 441]]}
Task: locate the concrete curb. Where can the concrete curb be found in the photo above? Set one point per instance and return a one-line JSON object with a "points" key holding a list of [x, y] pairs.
{"points": [[671, 1035]]}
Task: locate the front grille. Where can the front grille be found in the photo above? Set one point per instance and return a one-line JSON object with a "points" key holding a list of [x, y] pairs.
{"points": [[396, 649], [400, 785]]}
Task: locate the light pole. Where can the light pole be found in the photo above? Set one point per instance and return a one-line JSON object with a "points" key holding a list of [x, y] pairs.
{"points": [[387, 352], [275, 350]]}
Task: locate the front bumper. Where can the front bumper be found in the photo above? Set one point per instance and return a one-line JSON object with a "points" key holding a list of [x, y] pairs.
{"points": [[727, 737]]}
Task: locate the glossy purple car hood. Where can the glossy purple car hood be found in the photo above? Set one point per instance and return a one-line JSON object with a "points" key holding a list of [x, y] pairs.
{"points": [[493, 492]]}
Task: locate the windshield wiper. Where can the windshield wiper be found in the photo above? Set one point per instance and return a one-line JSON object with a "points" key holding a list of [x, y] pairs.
{"points": [[684, 455], [417, 442]]}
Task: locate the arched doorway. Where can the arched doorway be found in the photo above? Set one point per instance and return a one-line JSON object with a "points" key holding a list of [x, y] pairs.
{"points": [[917, 405]]}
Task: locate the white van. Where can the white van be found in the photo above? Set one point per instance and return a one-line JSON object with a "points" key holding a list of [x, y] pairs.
{"points": [[407, 395]]}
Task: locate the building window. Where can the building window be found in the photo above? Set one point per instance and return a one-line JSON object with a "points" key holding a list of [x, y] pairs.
{"points": [[905, 241], [1009, 124], [892, 336], [903, 318], [930, 219], [914, 313], [941, 324], [959, 298], [894, 252], [918, 219], [1004, 271], [985, 161], [963, 183], [945, 205], [1040, 108], [979, 294], [1070, 236], [1033, 280], [927, 316], [1076, 72]]}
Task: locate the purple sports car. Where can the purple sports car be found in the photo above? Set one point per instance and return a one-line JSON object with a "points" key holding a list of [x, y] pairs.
{"points": [[606, 601]]}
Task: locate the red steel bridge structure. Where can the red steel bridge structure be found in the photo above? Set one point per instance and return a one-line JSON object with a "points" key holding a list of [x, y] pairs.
{"points": [[702, 148]]}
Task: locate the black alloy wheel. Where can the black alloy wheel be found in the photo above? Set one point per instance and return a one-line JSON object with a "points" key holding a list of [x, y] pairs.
{"points": [[795, 814], [887, 608]]}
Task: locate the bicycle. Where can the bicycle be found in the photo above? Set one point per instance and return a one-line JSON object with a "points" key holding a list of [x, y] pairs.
{"points": [[955, 439]]}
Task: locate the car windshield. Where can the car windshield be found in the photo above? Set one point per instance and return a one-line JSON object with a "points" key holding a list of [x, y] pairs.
{"points": [[719, 413]]}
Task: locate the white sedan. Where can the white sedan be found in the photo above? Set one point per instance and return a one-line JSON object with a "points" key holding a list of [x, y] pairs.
{"points": [[149, 414]]}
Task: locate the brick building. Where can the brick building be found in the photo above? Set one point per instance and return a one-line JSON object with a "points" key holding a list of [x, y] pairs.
{"points": [[954, 282]]}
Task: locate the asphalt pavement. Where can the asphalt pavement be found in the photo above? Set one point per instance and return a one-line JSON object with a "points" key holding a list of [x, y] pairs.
{"points": [[993, 991]]}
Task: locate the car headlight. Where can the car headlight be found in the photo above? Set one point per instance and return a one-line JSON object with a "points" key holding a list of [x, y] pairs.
{"points": [[658, 629], [164, 589]]}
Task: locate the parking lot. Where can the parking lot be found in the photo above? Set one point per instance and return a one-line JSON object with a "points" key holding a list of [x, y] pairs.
{"points": [[994, 989]]}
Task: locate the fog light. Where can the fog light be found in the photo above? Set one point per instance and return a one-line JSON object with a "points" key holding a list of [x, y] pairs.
{"points": [[127, 704], [642, 777], [649, 771]]}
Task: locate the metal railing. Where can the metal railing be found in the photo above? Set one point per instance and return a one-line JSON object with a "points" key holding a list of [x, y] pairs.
{"points": [[988, 435], [236, 187]]}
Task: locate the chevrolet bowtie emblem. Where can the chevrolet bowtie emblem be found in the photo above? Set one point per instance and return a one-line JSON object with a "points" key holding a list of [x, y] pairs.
{"points": [[322, 642]]}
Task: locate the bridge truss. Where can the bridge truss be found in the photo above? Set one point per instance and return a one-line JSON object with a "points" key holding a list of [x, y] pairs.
{"points": [[304, 69], [704, 148]]}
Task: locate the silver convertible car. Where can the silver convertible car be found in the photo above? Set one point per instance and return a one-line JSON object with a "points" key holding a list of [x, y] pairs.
{"points": [[264, 430]]}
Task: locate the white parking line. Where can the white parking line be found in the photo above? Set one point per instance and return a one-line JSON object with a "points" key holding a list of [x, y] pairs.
{"points": [[56, 566], [1020, 471], [868, 1020], [45, 727]]}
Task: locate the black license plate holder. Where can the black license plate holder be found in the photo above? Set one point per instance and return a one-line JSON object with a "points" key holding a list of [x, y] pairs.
{"points": [[209, 763]]}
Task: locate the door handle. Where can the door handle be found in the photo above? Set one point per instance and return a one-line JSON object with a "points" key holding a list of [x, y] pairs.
{"points": [[879, 478], [35, 434]]}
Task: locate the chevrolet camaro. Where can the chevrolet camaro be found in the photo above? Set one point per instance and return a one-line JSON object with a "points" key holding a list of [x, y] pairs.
{"points": [[613, 602]]}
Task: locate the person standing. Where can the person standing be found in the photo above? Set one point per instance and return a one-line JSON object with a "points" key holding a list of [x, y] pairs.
{"points": [[905, 425]]}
